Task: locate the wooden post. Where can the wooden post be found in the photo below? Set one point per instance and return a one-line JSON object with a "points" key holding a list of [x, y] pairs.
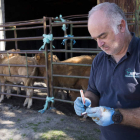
{"points": [[2, 21], [137, 12]]}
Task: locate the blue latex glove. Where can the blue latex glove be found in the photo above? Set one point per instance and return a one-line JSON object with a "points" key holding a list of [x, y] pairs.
{"points": [[101, 115], [79, 107]]}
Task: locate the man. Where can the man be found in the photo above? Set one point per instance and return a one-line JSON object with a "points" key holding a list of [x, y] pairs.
{"points": [[113, 94]]}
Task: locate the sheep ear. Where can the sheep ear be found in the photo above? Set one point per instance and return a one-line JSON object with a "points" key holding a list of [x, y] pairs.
{"points": [[37, 57], [10, 55], [49, 55], [17, 50], [1, 56]]}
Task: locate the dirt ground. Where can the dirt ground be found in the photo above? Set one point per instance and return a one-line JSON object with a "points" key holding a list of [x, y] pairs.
{"points": [[18, 122]]}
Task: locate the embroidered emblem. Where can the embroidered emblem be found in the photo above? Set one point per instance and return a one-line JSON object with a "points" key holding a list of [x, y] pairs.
{"points": [[130, 73]]}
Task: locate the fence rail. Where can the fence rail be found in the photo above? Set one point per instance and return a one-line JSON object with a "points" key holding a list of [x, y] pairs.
{"points": [[47, 24]]}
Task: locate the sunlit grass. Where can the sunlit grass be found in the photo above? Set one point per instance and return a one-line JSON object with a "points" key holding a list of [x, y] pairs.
{"points": [[54, 135]]}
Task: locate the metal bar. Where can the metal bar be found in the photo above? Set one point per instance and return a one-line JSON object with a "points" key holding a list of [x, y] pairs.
{"points": [[64, 88], [71, 32], [51, 93], [66, 45], [40, 38], [28, 28], [14, 65], [21, 24], [27, 65], [73, 64], [15, 35], [23, 39], [69, 22], [77, 22], [23, 28], [50, 21], [38, 98], [33, 20], [22, 52], [10, 85], [8, 64], [86, 15], [76, 16], [46, 58], [71, 76], [75, 51], [23, 96], [80, 37], [77, 26], [66, 101], [24, 76]]}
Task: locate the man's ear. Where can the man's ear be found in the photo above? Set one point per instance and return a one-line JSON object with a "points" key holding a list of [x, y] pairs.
{"points": [[122, 26]]}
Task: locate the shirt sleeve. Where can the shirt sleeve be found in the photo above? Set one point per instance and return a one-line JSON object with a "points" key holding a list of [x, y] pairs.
{"points": [[91, 82]]}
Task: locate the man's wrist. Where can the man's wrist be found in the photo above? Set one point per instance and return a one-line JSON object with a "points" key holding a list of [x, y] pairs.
{"points": [[117, 117]]}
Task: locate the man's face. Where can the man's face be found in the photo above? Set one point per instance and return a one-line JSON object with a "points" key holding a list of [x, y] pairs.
{"points": [[100, 29]]}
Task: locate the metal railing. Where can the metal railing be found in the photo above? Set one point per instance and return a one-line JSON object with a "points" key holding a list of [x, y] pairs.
{"points": [[48, 22]]}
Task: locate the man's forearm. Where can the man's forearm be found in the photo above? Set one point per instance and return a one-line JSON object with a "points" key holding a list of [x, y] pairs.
{"points": [[94, 98], [131, 117]]}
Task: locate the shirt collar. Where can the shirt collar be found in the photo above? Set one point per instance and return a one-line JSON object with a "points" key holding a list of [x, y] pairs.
{"points": [[132, 43]]}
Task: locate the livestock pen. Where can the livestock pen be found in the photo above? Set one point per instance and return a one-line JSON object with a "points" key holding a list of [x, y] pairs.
{"points": [[48, 24]]}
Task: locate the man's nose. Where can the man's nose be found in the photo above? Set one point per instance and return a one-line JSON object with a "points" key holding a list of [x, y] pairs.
{"points": [[100, 42]]}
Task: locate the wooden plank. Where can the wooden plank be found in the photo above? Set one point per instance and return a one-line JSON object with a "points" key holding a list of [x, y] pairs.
{"points": [[128, 6]]}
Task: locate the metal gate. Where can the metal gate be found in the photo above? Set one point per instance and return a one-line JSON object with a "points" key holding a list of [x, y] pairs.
{"points": [[47, 24]]}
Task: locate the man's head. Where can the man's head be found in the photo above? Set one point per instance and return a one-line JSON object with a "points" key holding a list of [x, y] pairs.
{"points": [[107, 24]]}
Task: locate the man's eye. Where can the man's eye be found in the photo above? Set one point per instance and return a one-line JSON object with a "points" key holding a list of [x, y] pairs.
{"points": [[102, 37], [95, 39]]}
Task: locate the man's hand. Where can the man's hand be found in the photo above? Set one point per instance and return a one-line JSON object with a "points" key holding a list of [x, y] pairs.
{"points": [[101, 115], [79, 107]]}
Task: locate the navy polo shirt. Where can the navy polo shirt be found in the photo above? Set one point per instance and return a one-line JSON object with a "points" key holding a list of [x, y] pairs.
{"points": [[118, 86]]}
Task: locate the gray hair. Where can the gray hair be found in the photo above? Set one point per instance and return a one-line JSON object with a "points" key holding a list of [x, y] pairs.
{"points": [[113, 12]]}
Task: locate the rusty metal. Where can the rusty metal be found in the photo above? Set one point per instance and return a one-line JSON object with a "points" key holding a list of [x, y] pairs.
{"points": [[51, 48], [21, 86], [66, 45], [64, 88], [23, 52], [46, 58], [23, 76], [69, 22], [25, 21], [23, 39], [15, 35], [75, 26], [70, 76], [22, 24], [23, 28], [73, 64], [50, 31], [71, 44], [75, 51], [80, 24]]}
